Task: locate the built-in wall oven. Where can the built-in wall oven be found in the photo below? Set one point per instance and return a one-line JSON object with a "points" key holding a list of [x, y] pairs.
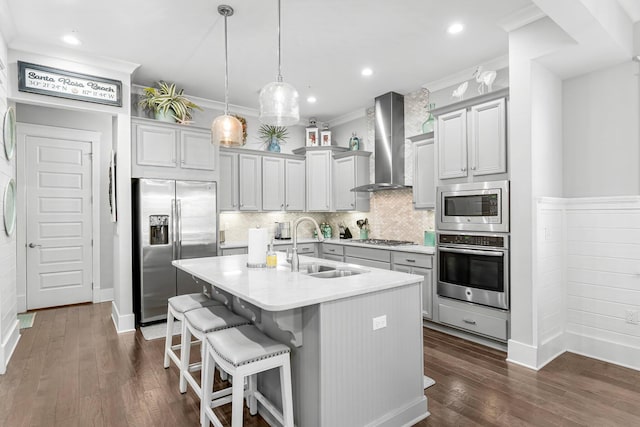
{"points": [[474, 268], [477, 206]]}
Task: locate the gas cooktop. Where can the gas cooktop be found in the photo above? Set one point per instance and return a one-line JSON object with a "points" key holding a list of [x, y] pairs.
{"points": [[383, 242]]}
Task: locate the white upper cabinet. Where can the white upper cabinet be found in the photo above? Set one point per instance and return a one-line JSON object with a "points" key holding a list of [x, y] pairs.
{"points": [[351, 170], [273, 182], [156, 146], [196, 151], [228, 185], [250, 182], [452, 144], [472, 139], [488, 143], [295, 185], [319, 180], [424, 177], [162, 150]]}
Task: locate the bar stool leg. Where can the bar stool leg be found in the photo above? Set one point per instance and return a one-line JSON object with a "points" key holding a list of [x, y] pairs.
{"points": [[206, 381], [168, 341], [237, 399], [251, 397], [185, 355], [287, 394]]}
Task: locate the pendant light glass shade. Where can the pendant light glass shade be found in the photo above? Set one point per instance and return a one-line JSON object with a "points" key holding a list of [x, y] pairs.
{"points": [[226, 130], [279, 104], [279, 100]]}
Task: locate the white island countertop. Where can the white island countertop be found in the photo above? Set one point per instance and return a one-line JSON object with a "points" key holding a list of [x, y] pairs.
{"points": [[278, 289], [429, 250]]}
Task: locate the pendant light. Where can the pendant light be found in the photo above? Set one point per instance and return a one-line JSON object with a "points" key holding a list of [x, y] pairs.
{"points": [[279, 100], [226, 130]]}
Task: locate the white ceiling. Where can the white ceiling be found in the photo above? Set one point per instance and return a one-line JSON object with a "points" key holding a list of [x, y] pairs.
{"points": [[325, 43]]}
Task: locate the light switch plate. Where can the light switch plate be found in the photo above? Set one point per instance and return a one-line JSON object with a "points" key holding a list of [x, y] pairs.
{"points": [[379, 322]]}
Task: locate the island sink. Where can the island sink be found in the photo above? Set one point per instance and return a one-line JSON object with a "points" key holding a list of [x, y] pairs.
{"points": [[322, 271]]}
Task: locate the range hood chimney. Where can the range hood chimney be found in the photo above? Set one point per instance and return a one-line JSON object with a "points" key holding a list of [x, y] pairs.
{"points": [[389, 144]]}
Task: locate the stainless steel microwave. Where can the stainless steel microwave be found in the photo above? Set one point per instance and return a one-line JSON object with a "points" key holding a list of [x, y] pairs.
{"points": [[478, 206]]}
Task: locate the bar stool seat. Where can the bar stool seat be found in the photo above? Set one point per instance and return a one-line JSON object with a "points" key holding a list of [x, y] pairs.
{"points": [[198, 323], [243, 352], [176, 308]]}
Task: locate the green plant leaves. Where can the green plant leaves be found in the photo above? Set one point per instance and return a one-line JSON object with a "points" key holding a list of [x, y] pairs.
{"points": [[166, 97]]}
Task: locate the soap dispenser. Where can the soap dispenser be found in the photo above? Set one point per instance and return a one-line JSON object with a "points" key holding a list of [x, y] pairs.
{"points": [[272, 258]]}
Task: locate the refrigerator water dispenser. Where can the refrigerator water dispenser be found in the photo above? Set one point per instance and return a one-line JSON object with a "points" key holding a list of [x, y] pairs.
{"points": [[159, 229]]}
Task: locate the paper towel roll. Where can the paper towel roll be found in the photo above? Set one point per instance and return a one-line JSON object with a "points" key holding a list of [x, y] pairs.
{"points": [[258, 241]]}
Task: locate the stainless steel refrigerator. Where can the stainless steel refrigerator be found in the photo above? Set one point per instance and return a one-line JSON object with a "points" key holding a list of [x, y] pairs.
{"points": [[172, 220]]}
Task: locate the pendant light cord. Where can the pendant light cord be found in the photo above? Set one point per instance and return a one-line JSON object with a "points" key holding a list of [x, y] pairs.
{"points": [[279, 50], [226, 69]]}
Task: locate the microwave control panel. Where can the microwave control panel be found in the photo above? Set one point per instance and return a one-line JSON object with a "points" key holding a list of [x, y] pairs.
{"points": [[472, 240]]}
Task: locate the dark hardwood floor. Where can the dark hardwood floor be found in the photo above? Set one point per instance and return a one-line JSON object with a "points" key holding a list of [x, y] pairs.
{"points": [[72, 369]]}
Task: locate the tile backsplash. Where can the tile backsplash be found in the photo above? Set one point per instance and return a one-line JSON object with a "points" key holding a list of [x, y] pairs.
{"points": [[391, 217]]}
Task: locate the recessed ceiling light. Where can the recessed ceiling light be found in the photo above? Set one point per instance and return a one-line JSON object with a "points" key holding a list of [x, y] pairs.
{"points": [[455, 28], [71, 39], [367, 72], [311, 99]]}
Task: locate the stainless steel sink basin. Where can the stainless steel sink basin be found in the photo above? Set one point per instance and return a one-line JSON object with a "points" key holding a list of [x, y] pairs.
{"points": [[337, 272], [315, 268]]}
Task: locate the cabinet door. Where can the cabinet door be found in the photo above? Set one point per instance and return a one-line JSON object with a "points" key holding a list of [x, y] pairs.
{"points": [[424, 177], [250, 182], [228, 188], [452, 144], [196, 151], [319, 181], [344, 179], [488, 136], [427, 290], [156, 146], [295, 189], [272, 184]]}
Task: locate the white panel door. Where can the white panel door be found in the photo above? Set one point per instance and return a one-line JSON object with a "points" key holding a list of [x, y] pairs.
{"points": [[344, 180], [59, 221], [272, 184], [156, 146], [295, 187], [488, 138], [319, 181], [228, 186], [424, 178], [197, 151], [250, 182]]}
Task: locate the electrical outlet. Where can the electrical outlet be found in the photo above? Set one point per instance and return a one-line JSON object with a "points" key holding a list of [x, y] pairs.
{"points": [[379, 322], [631, 317]]}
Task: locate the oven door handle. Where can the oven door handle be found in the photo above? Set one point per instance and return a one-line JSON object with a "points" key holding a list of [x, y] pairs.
{"points": [[471, 252]]}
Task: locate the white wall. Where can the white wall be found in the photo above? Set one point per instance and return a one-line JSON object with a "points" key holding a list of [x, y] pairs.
{"points": [[9, 332], [601, 113], [97, 122]]}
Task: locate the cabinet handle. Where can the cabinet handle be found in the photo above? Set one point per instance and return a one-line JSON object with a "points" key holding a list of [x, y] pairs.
{"points": [[351, 204], [182, 162], [241, 205], [287, 204], [463, 169], [282, 205], [332, 250], [410, 260], [469, 321], [473, 168]]}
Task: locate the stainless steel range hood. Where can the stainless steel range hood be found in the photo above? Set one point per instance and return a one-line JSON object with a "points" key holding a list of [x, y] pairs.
{"points": [[389, 144]]}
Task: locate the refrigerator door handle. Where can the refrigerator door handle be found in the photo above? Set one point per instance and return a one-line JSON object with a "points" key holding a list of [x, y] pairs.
{"points": [[179, 221], [173, 228]]}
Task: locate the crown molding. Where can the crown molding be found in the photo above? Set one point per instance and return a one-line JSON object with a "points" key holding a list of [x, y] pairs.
{"points": [[349, 117], [522, 17], [73, 55], [466, 74]]}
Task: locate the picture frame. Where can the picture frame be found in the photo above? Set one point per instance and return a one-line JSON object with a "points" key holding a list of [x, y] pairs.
{"points": [[325, 138], [312, 137], [112, 187], [42, 80]]}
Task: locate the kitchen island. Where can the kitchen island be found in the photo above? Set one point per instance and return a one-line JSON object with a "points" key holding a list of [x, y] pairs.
{"points": [[356, 340]]}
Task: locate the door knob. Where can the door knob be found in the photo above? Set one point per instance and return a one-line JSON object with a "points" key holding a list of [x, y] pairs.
{"points": [[33, 245]]}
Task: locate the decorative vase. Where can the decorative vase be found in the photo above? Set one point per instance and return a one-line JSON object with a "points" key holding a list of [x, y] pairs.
{"points": [[428, 125], [273, 145], [364, 234], [165, 116], [354, 142]]}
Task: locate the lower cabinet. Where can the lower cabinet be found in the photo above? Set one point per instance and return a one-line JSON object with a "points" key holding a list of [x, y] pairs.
{"points": [[480, 320], [368, 257], [234, 251], [420, 264]]}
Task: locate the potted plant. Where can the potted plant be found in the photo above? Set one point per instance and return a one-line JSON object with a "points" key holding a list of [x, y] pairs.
{"points": [[273, 136], [168, 103]]}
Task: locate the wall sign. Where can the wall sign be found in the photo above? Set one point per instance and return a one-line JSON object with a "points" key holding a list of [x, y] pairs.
{"points": [[66, 84]]}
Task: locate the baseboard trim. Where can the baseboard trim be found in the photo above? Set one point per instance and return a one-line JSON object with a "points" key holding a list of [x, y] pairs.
{"points": [[126, 323], [8, 346], [106, 295], [522, 354], [550, 349], [607, 351]]}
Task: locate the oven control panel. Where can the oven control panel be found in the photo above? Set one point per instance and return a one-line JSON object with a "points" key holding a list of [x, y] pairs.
{"points": [[472, 240]]}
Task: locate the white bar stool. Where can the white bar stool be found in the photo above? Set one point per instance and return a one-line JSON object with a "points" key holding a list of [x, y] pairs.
{"points": [[175, 311], [243, 352], [198, 323]]}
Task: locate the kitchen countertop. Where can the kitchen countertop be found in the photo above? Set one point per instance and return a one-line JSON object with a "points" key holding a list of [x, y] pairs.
{"points": [[429, 250], [278, 289]]}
